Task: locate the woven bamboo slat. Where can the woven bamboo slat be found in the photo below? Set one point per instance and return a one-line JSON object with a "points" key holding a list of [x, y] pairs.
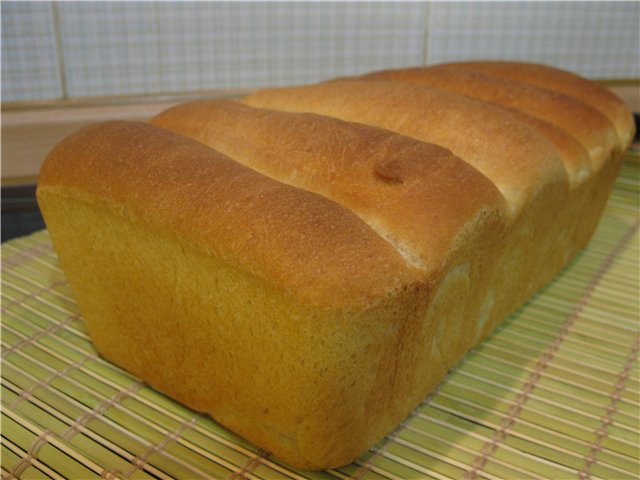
{"points": [[553, 393]]}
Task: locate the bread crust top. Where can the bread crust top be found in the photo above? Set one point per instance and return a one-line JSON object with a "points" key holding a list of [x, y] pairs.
{"points": [[303, 243], [561, 115], [518, 159], [418, 196], [562, 81]]}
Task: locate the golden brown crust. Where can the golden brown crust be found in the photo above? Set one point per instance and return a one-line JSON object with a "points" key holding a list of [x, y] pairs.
{"points": [[577, 161], [300, 241], [427, 202], [558, 80], [519, 160], [298, 319], [405, 189], [573, 119]]}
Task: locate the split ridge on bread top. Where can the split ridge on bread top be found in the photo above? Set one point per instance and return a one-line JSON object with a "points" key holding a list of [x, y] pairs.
{"points": [[307, 263]]}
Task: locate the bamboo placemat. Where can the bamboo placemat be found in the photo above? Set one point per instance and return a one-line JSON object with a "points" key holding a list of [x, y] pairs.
{"points": [[553, 393]]}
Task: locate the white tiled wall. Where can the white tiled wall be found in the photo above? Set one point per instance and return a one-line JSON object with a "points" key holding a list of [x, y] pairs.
{"points": [[596, 39], [150, 47], [112, 48], [30, 65]]}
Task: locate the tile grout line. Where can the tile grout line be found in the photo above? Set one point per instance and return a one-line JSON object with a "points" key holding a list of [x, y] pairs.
{"points": [[57, 31]]}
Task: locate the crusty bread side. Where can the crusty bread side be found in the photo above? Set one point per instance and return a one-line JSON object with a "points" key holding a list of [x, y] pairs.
{"points": [[568, 110], [558, 80]]}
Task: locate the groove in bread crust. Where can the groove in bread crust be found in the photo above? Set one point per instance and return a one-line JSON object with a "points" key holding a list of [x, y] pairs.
{"points": [[571, 119], [419, 197], [558, 80], [519, 161]]}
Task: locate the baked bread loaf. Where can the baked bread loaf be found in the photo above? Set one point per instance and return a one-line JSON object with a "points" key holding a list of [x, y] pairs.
{"points": [[307, 280]]}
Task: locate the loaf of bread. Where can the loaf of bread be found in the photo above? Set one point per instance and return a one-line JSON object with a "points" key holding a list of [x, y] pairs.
{"points": [[307, 264]]}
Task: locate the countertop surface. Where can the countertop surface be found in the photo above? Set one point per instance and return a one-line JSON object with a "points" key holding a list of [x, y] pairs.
{"points": [[29, 131]]}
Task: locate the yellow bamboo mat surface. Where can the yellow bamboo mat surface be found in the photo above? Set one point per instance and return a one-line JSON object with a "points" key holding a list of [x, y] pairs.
{"points": [[553, 393]]}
